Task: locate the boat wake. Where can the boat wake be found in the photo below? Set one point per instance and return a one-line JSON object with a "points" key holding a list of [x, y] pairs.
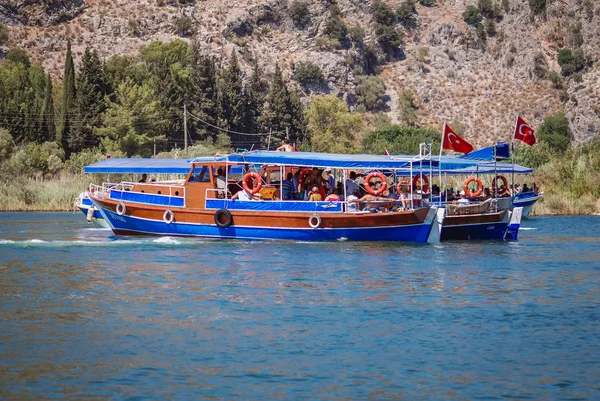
{"points": [[527, 228]]}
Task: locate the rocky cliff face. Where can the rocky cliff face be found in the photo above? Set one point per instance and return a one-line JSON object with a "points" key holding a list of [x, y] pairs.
{"points": [[455, 76]]}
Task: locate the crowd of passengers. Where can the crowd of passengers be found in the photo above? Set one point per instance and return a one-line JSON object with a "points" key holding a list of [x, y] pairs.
{"points": [[321, 185]]}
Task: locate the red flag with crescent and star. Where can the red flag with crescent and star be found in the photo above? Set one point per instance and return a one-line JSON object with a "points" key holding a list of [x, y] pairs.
{"points": [[452, 141], [524, 133]]}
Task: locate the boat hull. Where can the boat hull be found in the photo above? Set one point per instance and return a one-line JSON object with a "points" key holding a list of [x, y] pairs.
{"points": [[500, 226], [91, 213], [411, 227], [526, 203]]}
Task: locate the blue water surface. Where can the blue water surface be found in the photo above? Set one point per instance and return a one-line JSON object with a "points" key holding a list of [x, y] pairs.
{"points": [[86, 315]]}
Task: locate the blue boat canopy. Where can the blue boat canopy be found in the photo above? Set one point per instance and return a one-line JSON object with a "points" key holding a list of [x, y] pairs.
{"points": [[140, 166], [321, 160], [499, 151]]}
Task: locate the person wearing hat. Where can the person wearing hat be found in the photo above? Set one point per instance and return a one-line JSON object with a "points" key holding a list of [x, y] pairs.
{"points": [[315, 194], [330, 179], [463, 199]]}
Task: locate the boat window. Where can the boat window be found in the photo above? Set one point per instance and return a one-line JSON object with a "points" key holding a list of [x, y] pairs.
{"points": [[200, 174]]}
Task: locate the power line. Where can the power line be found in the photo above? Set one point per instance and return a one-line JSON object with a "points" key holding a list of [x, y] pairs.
{"points": [[228, 131]]}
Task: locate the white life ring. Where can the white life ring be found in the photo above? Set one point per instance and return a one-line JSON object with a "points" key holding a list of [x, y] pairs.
{"points": [[121, 209], [168, 216], [314, 221]]}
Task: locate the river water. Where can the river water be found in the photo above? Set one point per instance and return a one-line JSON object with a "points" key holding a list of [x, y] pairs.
{"points": [[85, 315]]}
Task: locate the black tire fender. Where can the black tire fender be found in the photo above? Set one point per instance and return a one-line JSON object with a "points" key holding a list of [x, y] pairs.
{"points": [[218, 218]]}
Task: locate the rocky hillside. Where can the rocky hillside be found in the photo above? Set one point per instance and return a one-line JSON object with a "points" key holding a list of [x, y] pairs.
{"points": [[477, 84]]}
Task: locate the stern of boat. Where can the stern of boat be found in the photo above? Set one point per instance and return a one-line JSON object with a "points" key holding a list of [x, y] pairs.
{"points": [[512, 232]]}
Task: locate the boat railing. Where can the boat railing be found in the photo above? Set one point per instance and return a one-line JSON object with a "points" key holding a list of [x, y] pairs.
{"points": [[145, 193]]}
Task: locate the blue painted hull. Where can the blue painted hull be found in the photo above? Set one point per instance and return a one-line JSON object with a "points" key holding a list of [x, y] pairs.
{"points": [[505, 229], [487, 231], [526, 203], [84, 205], [132, 225]]}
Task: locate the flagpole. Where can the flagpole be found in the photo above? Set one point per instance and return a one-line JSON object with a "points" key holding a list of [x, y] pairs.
{"points": [[512, 151], [442, 143]]}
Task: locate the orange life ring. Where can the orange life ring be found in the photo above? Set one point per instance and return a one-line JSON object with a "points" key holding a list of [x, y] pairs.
{"points": [[367, 184], [399, 186], [425, 186], [501, 191], [303, 174], [256, 185], [479, 187]]}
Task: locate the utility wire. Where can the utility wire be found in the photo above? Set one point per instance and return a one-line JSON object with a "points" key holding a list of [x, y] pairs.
{"points": [[232, 132]]}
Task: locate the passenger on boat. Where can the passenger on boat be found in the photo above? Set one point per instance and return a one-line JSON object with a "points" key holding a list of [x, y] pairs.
{"points": [[287, 186], [144, 178], [285, 147], [526, 188], [333, 196], [463, 201], [402, 198], [535, 188], [244, 195], [296, 182], [330, 179], [221, 184], [487, 193], [506, 191], [315, 195], [351, 205], [351, 184], [373, 203]]}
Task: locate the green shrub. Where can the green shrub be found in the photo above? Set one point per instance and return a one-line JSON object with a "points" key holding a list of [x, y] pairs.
{"points": [[308, 73], [399, 139], [406, 13], [556, 79], [326, 43], [388, 37], [183, 26], [382, 13], [537, 6], [407, 108], [3, 34], [33, 159], [555, 132], [335, 28], [356, 33], [17, 55], [486, 7], [490, 28], [570, 61], [6, 144], [472, 16], [299, 13], [78, 161], [370, 92]]}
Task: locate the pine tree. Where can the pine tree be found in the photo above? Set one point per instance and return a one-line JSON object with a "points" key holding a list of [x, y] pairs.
{"points": [[170, 79], [203, 94], [47, 123], [232, 100], [283, 111], [255, 99], [67, 102], [90, 104]]}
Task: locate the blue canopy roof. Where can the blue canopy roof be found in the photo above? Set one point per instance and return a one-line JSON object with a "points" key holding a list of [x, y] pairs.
{"points": [[322, 160], [500, 150], [140, 166]]}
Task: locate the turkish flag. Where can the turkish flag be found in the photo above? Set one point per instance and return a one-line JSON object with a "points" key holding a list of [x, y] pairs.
{"points": [[452, 141], [523, 132]]}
